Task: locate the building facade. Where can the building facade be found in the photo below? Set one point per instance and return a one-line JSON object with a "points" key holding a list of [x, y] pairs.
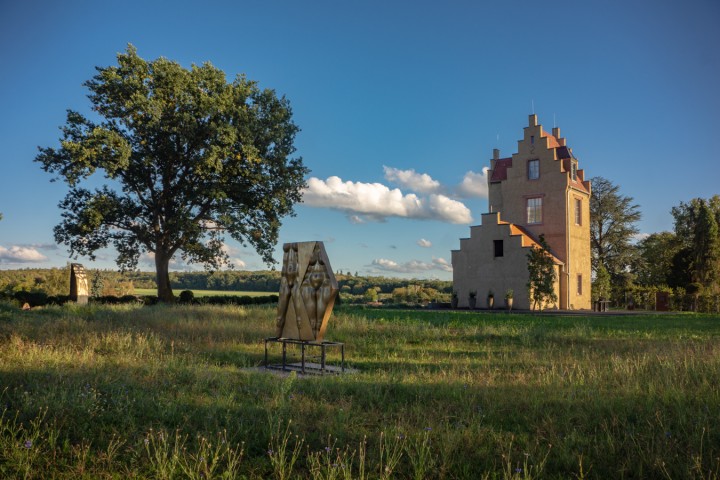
{"points": [[540, 190]]}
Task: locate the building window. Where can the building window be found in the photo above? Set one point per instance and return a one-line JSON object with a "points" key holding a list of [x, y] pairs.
{"points": [[532, 139], [498, 248], [573, 171], [578, 211], [533, 169], [534, 210], [579, 284]]}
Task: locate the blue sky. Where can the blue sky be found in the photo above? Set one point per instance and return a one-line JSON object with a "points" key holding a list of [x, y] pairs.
{"points": [[402, 102]]}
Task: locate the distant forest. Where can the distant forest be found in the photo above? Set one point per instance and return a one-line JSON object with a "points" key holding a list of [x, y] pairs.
{"points": [[56, 281]]}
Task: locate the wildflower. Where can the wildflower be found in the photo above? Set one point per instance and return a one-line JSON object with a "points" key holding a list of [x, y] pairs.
{"points": [[327, 449], [270, 452], [334, 465], [28, 444], [427, 429], [401, 437], [146, 441], [518, 470]]}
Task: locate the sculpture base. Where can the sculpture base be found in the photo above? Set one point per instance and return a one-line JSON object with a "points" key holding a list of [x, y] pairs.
{"points": [[307, 364]]}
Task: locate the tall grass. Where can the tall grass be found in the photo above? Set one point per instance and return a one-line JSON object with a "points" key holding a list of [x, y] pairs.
{"points": [[171, 392]]}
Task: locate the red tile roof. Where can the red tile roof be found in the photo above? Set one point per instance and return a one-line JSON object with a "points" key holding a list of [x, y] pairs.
{"points": [[552, 141], [499, 173]]}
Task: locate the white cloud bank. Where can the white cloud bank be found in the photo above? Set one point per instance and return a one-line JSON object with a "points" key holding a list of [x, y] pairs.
{"points": [[474, 185], [411, 180], [412, 266], [375, 202], [20, 254]]}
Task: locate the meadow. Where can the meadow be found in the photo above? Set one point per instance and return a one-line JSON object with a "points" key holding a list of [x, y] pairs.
{"points": [[175, 392]]}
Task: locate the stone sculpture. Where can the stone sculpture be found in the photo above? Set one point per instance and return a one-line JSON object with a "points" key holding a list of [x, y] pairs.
{"points": [[78, 284], [307, 292]]}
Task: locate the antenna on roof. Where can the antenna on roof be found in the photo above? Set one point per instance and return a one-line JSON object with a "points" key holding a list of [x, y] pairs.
{"points": [[532, 102], [497, 139], [554, 124]]}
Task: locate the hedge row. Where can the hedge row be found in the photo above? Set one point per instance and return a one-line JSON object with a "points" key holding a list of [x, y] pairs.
{"points": [[41, 299]]}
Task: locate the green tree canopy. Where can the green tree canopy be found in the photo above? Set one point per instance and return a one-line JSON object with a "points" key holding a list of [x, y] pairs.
{"points": [[612, 227], [698, 234], [188, 158], [655, 264]]}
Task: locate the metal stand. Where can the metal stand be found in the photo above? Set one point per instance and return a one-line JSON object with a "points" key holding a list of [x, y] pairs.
{"points": [[305, 367]]}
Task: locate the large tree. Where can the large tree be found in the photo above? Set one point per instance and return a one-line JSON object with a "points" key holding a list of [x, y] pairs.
{"points": [[188, 159], [612, 228]]}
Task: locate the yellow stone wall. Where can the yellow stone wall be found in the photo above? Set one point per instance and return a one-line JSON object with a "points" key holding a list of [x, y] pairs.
{"points": [[569, 242]]}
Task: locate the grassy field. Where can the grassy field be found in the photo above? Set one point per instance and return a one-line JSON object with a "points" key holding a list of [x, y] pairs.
{"points": [[171, 392], [206, 293]]}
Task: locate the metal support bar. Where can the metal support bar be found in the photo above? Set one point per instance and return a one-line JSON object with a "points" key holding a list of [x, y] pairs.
{"points": [[304, 367]]}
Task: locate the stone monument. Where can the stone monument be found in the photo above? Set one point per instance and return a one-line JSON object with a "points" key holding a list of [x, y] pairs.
{"points": [[78, 284], [307, 292], [308, 289]]}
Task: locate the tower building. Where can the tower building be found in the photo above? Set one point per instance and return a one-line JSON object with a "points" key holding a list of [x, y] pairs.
{"points": [[540, 190]]}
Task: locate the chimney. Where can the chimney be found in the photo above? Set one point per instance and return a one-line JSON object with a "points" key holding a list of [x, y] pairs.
{"points": [[496, 157], [533, 120], [556, 132]]}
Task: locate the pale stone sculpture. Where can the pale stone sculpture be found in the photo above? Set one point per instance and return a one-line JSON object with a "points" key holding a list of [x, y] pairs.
{"points": [[307, 292], [78, 284]]}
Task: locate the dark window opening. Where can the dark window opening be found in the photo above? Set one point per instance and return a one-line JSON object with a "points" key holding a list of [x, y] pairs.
{"points": [[498, 248]]}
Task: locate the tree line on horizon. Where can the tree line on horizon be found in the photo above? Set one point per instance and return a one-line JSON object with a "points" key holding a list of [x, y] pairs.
{"points": [[684, 263], [55, 282]]}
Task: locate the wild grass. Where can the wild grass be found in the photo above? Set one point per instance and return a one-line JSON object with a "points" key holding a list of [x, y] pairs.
{"points": [[172, 392]]}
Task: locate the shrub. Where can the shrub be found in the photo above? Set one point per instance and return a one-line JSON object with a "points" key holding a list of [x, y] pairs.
{"points": [[186, 297]]}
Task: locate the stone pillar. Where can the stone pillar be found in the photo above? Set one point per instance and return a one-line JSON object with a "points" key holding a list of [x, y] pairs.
{"points": [[78, 284]]}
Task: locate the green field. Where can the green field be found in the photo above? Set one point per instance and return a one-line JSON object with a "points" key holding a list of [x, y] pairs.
{"points": [[172, 392], [206, 293]]}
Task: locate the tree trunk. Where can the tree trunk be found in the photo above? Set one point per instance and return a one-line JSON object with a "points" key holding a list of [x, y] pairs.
{"points": [[162, 268]]}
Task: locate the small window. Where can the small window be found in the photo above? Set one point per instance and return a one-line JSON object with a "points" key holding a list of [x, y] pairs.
{"points": [[533, 169], [534, 210], [498, 248], [573, 171], [578, 211], [579, 284], [532, 139]]}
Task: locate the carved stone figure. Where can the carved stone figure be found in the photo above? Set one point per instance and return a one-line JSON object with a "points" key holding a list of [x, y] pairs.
{"points": [[78, 284], [307, 292]]}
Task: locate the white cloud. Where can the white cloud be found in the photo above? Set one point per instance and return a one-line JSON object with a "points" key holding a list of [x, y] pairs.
{"points": [[639, 237], [424, 243], [375, 202], [20, 254], [412, 266], [474, 185], [238, 262], [411, 180]]}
